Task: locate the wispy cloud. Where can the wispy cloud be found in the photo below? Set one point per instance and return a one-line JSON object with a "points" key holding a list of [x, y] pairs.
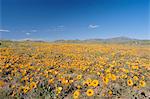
{"points": [[4, 30], [93, 26], [28, 33], [57, 28], [32, 39], [33, 30], [61, 26]]}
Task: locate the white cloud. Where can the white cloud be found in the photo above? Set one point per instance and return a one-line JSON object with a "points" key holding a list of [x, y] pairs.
{"points": [[33, 30], [3, 30], [32, 39], [93, 26], [28, 33]]}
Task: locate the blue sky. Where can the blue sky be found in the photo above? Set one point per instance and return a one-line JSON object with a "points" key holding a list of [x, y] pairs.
{"points": [[74, 19]]}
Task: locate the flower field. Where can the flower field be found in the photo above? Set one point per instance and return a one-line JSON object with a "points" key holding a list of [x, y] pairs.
{"points": [[40, 70]]}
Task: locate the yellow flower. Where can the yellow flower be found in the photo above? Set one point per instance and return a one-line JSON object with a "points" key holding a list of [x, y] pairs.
{"points": [[126, 70], [89, 92], [108, 75], [1, 83], [98, 73], [130, 82], [135, 67], [105, 80], [95, 83], [142, 83], [143, 77], [123, 76], [135, 78], [58, 90], [31, 79], [79, 77], [113, 77], [26, 89], [88, 82], [12, 86], [24, 72], [51, 81], [103, 94], [32, 85], [85, 83], [24, 78], [78, 86], [110, 92], [76, 94], [107, 70], [71, 81]]}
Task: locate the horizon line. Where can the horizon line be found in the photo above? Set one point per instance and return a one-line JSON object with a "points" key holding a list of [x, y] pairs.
{"points": [[39, 39]]}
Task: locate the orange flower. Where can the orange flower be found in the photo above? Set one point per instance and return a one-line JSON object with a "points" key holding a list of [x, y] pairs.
{"points": [[89, 92], [130, 82], [32, 85], [76, 94]]}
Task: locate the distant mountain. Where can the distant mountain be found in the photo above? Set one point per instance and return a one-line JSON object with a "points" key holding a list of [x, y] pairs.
{"points": [[117, 40], [120, 39], [68, 41], [109, 40]]}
